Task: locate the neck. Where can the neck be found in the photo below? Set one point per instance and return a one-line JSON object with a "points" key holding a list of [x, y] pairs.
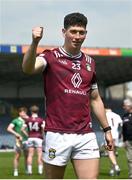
{"points": [[34, 115]]}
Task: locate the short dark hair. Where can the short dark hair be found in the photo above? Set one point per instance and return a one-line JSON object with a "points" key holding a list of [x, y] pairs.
{"points": [[20, 109], [34, 109], [75, 19]]}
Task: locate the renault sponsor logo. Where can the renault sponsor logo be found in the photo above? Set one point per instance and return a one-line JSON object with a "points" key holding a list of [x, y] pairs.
{"points": [[76, 80], [73, 91]]}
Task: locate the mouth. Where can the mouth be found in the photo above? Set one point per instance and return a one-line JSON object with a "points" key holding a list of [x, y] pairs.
{"points": [[76, 43]]}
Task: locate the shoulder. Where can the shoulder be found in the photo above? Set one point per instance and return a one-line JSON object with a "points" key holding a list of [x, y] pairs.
{"points": [[89, 59], [15, 120], [47, 52], [29, 119], [40, 119], [90, 62], [115, 114]]}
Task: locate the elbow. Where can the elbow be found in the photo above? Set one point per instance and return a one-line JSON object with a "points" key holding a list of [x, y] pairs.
{"points": [[26, 70], [8, 129]]}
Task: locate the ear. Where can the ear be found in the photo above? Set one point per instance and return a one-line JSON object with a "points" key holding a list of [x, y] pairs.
{"points": [[63, 32]]}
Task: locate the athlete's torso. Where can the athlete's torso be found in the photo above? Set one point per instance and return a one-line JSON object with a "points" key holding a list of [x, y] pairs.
{"points": [[34, 125], [18, 123], [67, 85]]}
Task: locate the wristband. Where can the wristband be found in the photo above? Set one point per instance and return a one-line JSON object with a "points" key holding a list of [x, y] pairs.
{"points": [[107, 129]]}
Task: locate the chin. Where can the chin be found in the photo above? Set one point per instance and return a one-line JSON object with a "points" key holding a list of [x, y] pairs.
{"points": [[76, 45]]}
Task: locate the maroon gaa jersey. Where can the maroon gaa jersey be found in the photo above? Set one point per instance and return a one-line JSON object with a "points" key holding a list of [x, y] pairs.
{"points": [[68, 81], [34, 125]]}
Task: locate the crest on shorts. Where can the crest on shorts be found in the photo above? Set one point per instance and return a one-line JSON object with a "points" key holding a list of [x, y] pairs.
{"points": [[52, 153], [88, 66]]}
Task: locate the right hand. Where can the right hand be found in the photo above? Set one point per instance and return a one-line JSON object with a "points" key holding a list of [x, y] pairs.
{"points": [[37, 34], [19, 137], [109, 141]]}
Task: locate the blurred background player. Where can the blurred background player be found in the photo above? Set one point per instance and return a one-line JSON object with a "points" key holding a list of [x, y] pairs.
{"points": [[21, 140], [115, 122], [35, 126], [127, 132]]}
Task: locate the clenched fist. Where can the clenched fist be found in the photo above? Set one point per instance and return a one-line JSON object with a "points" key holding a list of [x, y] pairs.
{"points": [[37, 33]]}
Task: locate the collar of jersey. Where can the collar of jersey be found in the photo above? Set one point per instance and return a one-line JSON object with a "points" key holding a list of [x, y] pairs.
{"points": [[20, 118], [34, 115], [62, 50]]}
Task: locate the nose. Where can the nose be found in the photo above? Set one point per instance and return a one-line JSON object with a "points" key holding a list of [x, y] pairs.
{"points": [[77, 36]]}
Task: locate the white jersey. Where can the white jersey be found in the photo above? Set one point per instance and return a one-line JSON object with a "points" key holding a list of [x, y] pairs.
{"points": [[114, 121]]}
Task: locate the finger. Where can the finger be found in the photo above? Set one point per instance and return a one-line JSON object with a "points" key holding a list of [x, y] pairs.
{"points": [[109, 147], [37, 32], [41, 28]]}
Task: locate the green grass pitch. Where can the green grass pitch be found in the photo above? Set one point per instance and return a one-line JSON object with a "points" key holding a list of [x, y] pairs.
{"points": [[6, 167]]}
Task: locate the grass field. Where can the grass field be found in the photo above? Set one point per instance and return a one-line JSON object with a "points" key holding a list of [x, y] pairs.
{"points": [[6, 168]]}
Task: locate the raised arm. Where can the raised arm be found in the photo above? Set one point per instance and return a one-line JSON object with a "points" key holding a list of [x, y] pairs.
{"points": [[99, 111], [31, 64]]}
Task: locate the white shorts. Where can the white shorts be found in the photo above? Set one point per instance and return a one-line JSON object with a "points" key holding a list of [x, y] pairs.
{"points": [[59, 148], [35, 142]]}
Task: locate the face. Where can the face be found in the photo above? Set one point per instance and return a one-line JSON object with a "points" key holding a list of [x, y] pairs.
{"points": [[127, 108], [74, 36], [22, 114]]}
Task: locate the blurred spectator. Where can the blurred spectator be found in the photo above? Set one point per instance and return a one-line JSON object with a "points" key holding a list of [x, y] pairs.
{"points": [[127, 132]]}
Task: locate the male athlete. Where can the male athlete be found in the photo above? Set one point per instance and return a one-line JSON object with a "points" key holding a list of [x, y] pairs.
{"points": [[21, 140], [35, 125], [70, 89]]}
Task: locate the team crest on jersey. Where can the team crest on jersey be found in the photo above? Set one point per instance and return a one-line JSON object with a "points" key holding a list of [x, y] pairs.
{"points": [[52, 153], [88, 66]]}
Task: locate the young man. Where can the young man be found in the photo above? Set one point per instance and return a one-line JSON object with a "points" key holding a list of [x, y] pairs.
{"points": [[21, 140], [127, 133], [35, 125], [70, 88]]}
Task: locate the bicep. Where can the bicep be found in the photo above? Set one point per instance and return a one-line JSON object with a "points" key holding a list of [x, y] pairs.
{"points": [[10, 127], [95, 98], [94, 94], [40, 64]]}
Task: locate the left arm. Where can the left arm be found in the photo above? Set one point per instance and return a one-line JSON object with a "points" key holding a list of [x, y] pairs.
{"points": [[99, 111], [23, 129]]}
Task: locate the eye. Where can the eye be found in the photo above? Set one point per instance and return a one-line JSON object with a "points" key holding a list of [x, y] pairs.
{"points": [[82, 32], [73, 31]]}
